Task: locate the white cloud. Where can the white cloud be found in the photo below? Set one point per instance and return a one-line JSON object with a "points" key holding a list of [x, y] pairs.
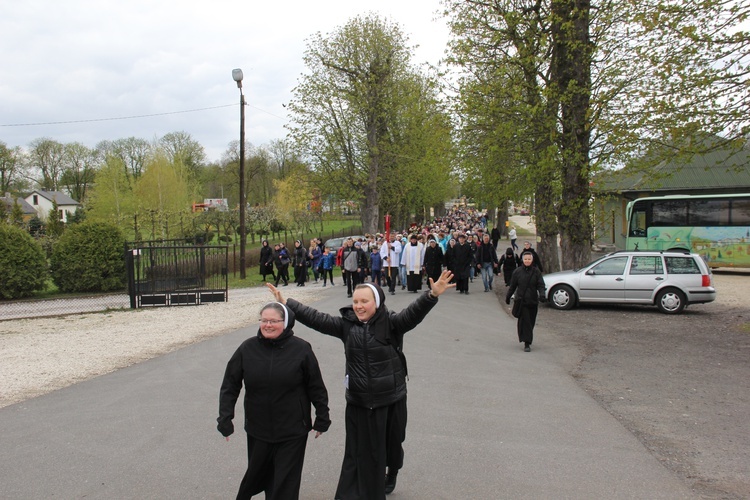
{"points": [[92, 60]]}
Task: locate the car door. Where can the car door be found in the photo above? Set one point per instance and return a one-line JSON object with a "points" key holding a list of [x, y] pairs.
{"points": [[645, 274], [605, 281]]}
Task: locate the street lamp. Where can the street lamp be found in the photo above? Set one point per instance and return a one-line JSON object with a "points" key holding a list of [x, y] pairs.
{"points": [[237, 77]]}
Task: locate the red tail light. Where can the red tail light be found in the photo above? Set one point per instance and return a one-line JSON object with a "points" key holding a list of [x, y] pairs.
{"points": [[706, 280]]}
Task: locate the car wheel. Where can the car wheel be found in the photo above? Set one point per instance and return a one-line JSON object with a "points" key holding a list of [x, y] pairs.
{"points": [[562, 297], [670, 301]]}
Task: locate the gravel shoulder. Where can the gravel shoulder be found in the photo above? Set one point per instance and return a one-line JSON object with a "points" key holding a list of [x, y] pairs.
{"points": [[40, 355]]}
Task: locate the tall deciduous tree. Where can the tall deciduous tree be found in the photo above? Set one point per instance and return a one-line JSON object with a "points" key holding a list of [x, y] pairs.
{"points": [[11, 168], [181, 149], [617, 80], [346, 112], [80, 167], [132, 151], [111, 199], [48, 157]]}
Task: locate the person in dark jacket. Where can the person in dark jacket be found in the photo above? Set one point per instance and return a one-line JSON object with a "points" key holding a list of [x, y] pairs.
{"points": [[486, 259], [433, 260], [375, 382], [495, 236], [463, 260], [266, 260], [527, 280], [282, 381], [281, 260], [508, 262], [299, 261]]}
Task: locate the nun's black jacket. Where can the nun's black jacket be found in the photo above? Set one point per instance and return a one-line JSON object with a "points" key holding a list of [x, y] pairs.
{"points": [[375, 364], [282, 379]]}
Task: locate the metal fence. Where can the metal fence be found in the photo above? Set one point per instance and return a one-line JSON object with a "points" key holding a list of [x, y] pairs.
{"points": [[173, 273], [40, 308]]}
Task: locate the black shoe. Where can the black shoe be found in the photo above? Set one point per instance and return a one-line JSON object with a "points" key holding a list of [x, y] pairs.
{"points": [[390, 483], [466, 292], [393, 293], [349, 295]]}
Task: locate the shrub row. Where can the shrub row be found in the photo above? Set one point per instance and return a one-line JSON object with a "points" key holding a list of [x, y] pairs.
{"points": [[88, 257]]}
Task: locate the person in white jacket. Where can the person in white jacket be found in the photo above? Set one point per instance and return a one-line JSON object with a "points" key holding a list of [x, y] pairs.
{"points": [[413, 257], [390, 254]]}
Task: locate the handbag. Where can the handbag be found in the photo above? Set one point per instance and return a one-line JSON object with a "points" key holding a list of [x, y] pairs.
{"points": [[516, 311], [518, 303]]}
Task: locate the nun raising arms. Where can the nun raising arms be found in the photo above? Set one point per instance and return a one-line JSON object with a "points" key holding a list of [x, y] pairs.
{"points": [[375, 381]]}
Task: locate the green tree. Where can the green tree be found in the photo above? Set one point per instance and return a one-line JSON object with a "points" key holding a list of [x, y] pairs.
{"points": [[600, 88], [80, 168], [23, 266], [184, 152], [348, 112], [111, 199], [48, 157], [11, 168], [55, 226], [132, 151]]}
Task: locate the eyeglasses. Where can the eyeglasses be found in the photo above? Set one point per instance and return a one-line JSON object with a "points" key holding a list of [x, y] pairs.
{"points": [[270, 321]]}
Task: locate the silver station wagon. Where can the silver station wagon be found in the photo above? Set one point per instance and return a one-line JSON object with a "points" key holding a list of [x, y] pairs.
{"points": [[669, 280]]}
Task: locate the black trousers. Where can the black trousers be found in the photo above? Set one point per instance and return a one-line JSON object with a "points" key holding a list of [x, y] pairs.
{"points": [[526, 323], [413, 281], [275, 468], [391, 273], [300, 274], [374, 441], [283, 274]]}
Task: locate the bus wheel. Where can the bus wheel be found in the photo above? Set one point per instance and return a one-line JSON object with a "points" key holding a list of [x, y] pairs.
{"points": [[670, 301], [562, 297]]}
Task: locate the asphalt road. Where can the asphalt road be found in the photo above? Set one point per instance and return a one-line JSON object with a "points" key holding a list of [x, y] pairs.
{"points": [[486, 421]]}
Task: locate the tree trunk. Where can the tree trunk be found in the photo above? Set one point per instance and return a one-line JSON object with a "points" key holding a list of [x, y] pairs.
{"points": [[571, 62]]}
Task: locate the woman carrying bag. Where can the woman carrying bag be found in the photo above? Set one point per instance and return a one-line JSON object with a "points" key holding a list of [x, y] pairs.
{"points": [[529, 282]]}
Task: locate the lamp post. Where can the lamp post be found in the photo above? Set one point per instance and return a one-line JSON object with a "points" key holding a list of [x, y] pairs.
{"points": [[237, 77]]}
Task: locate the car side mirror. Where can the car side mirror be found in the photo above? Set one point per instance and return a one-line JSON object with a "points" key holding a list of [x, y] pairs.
{"points": [[591, 272]]}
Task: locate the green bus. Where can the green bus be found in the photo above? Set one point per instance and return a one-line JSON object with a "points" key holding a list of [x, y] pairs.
{"points": [[715, 226]]}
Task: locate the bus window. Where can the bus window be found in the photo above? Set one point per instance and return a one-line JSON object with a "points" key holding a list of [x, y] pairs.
{"points": [[709, 212], [669, 213], [741, 212]]}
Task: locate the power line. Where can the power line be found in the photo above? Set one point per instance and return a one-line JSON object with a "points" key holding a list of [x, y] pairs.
{"points": [[128, 117]]}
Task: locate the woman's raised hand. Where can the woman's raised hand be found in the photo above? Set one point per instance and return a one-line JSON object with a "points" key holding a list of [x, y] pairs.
{"points": [[442, 284], [276, 293]]}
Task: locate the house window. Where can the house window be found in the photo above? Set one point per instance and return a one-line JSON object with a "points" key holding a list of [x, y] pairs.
{"points": [[62, 215], [36, 200]]}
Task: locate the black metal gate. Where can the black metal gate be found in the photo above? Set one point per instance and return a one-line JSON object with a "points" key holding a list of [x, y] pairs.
{"points": [[172, 273]]}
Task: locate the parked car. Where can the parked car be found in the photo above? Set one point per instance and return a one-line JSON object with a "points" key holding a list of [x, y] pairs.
{"points": [[335, 243], [525, 211], [669, 280]]}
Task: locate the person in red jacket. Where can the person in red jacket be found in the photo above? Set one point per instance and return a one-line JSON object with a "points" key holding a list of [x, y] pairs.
{"points": [[282, 380]]}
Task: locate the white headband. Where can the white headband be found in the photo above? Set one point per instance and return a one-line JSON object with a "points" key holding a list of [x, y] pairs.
{"points": [[375, 292], [286, 312]]}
